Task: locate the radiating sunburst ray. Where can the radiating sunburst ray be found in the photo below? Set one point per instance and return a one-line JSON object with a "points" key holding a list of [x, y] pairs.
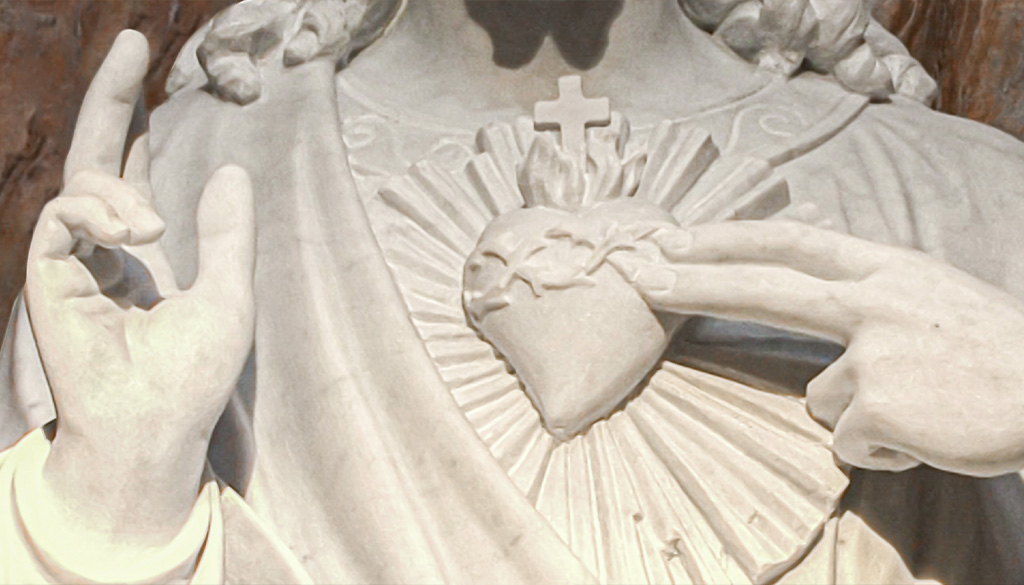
{"points": [[719, 188], [484, 390], [528, 470], [406, 196], [698, 479], [553, 496], [470, 372], [676, 159], [499, 141], [497, 190]]}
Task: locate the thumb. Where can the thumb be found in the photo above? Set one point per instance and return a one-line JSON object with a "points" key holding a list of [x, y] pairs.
{"points": [[856, 442], [227, 240]]}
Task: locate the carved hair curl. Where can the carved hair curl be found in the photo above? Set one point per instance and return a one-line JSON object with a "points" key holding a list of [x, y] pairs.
{"points": [[231, 47], [839, 37]]}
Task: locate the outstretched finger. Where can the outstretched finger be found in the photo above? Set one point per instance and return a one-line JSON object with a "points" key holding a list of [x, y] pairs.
{"points": [[818, 252], [776, 296], [151, 254], [226, 225], [136, 167], [106, 113]]}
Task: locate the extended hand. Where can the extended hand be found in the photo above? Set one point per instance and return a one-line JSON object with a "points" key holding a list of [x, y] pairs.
{"points": [[934, 366], [139, 377]]}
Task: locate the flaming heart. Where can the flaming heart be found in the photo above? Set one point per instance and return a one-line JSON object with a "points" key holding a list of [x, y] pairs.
{"points": [[539, 289], [531, 226], [507, 263]]}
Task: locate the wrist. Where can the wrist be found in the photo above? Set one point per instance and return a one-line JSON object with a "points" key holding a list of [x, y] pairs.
{"points": [[137, 490], [67, 550]]}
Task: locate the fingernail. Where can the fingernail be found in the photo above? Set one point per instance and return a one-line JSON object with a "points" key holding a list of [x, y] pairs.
{"points": [[674, 243], [656, 280], [118, 231], [149, 222], [146, 225]]}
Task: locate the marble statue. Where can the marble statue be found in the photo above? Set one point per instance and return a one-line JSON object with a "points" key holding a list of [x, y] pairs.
{"points": [[462, 291]]}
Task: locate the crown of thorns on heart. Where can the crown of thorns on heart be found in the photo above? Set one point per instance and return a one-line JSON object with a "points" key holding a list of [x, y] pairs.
{"points": [[570, 224]]}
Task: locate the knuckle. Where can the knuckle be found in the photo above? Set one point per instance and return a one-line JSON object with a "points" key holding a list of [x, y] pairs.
{"points": [[830, 392], [108, 188], [851, 447], [88, 181], [75, 201], [51, 210], [820, 390], [875, 410], [788, 230], [820, 409]]}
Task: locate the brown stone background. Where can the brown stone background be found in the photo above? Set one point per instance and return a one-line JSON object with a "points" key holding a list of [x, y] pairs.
{"points": [[49, 50]]}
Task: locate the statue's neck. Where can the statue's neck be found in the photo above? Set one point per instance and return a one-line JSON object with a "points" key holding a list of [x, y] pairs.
{"points": [[459, 61], [458, 30]]}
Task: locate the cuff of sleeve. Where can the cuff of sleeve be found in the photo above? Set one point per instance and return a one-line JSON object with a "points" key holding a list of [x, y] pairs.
{"points": [[195, 555]]}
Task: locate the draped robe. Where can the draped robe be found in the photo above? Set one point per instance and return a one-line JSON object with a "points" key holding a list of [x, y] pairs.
{"points": [[342, 436]]}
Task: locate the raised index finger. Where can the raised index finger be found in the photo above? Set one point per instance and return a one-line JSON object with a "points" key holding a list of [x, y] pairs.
{"points": [[102, 127]]}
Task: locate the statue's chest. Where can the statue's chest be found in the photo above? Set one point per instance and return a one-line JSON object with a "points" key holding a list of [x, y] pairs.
{"points": [[684, 476]]}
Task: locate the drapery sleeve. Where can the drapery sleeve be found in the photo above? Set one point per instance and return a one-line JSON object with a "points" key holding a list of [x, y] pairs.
{"points": [[25, 401], [903, 175], [32, 552]]}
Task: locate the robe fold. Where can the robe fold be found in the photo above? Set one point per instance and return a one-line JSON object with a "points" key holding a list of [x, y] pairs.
{"points": [[346, 443]]}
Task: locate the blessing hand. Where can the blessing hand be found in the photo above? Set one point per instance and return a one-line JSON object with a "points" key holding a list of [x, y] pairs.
{"points": [[934, 366], [139, 370]]}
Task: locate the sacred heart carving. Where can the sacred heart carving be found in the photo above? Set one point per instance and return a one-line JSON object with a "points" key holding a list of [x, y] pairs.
{"points": [[532, 224], [508, 261], [538, 287]]}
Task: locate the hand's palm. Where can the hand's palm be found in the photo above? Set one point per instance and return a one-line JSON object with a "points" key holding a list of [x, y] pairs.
{"points": [[115, 365]]}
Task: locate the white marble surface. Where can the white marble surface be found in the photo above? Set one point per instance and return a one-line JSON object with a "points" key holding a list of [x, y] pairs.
{"points": [[445, 346]]}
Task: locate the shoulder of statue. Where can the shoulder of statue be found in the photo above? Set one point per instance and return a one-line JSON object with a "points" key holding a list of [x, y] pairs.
{"points": [[838, 38], [227, 54]]}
